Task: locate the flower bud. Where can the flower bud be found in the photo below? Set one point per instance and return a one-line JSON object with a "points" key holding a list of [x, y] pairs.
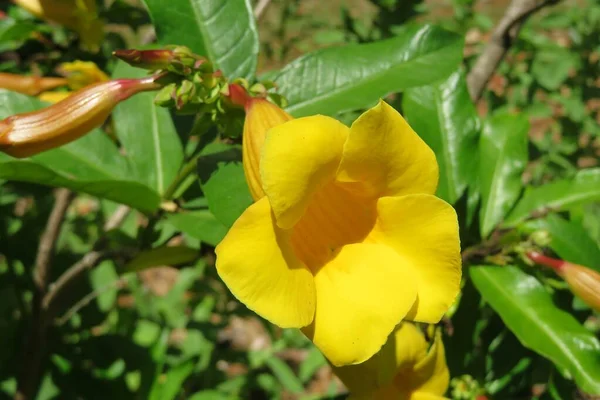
{"points": [[82, 73], [583, 281], [24, 135], [147, 59], [261, 115], [178, 59], [30, 85]]}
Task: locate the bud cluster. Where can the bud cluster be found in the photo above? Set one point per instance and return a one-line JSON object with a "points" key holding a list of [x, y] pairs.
{"points": [[192, 85]]}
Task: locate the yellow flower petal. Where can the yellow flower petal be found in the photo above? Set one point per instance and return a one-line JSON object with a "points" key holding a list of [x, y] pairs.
{"points": [[387, 156], [258, 265], [402, 369], [298, 158], [424, 232], [359, 302], [426, 396], [431, 373], [261, 115]]}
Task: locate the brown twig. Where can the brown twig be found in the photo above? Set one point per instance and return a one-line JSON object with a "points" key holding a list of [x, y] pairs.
{"points": [[260, 8], [35, 346], [503, 36], [41, 268], [88, 261], [117, 218], [87, 299]]}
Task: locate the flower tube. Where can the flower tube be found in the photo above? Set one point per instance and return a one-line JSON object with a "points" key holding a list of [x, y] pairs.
{"points": [[24, 135], [29, 85]]}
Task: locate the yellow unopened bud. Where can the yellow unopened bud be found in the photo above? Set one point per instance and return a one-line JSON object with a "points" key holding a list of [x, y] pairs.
{"points": [[584, 282], [24, 135], [54, 97], [82, 73], [261, 115], [30, 85]]}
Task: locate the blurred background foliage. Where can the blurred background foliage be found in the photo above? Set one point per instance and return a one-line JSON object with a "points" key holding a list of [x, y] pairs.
{"points": [[526, 174]]}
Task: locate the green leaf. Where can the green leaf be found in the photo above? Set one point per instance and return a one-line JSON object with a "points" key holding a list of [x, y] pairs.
{"points": [[102, 279], [559, 195], [14, 33], [572, 243], [147, 133], [284, 374], [445, 118], [223, 182], [91, 164], [201, 225], [552, 67], [355, 76], [166, 255], [528, 311], [169, 387], [222, 30], [209, 395], [503, 151]]}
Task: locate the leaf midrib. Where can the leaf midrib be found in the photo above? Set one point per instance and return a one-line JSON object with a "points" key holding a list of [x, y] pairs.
{"points": [[542, 326], [363, 81]]}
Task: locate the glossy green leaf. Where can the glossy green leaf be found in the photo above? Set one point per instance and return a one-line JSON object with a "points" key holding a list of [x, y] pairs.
{"points": [[445, 118], [528, 311], [201, 225], [503, 155], [222, 30], [166, 255], [147, 133], [355, 76], [559, 195], [571, 242], [223, 182], [227, 192], [92, 164]]}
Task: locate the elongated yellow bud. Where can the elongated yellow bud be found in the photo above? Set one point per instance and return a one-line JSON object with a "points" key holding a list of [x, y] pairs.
{"points": [[583, 281], [24, 135], [261, 115], [30, 85]]}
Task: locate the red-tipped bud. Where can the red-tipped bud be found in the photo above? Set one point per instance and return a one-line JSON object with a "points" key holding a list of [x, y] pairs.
{"points": [[539, 258], [147, 59], [24, 135], [30, 85], [583, 281]]}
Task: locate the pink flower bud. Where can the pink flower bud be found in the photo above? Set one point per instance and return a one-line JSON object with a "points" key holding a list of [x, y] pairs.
{"points": [[24, 135], [583, 281]]}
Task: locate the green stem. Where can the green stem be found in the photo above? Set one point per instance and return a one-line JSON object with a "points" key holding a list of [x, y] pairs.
{"points": [[188, 169]]}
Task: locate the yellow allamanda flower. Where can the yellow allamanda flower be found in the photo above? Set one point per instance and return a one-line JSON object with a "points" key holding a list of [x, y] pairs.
{"points": [[78, 15], [404, 369], [348, 239]]}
